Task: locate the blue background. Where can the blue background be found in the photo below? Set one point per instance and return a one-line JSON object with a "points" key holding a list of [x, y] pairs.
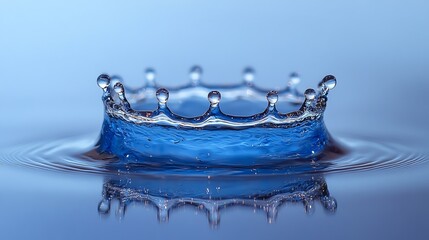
{"points": [[51, 53]]}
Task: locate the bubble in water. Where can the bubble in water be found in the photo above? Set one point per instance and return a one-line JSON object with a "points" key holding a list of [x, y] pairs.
{"points": [[329, 81], [150, 75], [294, 79], [119, 88], [272, 97], [214, 98], [310, 94], [103, 81], [248, 75], [195, 73], [162, 95]]}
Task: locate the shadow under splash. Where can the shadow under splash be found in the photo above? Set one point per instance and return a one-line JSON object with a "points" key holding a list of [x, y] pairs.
{"points": [[214, 195]]}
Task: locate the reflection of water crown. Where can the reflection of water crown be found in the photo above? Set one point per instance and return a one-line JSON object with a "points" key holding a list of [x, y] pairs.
{"points": [[266, 137], [269, 197], [118, 102]]}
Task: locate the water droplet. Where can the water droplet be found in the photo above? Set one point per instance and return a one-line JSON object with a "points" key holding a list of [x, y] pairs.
{"points": [[272, 213], [272, 97], [120, 212], [294, 79], [195, 73], [150, 75], [114, 79], [329, 203], [310, 94], [214, 217], [103, 81], [329, 81], [119, 88], [104, 206], [162, 95], [308, 206], [214, 98], [248, 75], [163, 214]]}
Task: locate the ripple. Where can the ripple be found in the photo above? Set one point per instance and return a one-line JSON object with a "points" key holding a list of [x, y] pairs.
{"points": [[77, 154]]}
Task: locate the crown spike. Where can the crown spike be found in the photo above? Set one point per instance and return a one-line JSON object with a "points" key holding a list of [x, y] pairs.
{"points": [[163, 214], [115, 79], [312, 107], [119, 89], [272, 97], [328, 83], [103, 81], [195, 74], [104, 206], [248, 75], [272, 212], [308, 206], [214, 216], [163, 206], [120, 211], [294, 79], [214, 98], [310, 96], [150, 75], [162, 95], [329, 203]]}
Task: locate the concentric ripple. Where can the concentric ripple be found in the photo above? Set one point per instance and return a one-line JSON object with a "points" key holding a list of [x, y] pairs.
{"points": [[78, 155]]}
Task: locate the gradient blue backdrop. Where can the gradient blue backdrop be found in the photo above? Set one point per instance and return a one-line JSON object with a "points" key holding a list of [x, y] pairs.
{"points": [[52, 51]]}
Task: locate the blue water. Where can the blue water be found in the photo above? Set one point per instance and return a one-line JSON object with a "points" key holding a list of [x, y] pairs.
{"points": [[222, 147], [51, 54]]}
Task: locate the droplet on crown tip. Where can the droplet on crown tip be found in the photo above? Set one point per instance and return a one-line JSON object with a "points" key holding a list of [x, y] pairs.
{"points": [[272, 213], [104, 206], [310, 94], [150, 74], [115, 79], [309, 206], [329, 81], [248, 75], [195, 73], [163, 214], [272, 97], [162, 95], [294, 79], [103, 81], [119, 88], [329, 203], [214, 98]]}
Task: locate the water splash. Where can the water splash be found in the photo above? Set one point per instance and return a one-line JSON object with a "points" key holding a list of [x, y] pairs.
{"points": [[214, 195], [313, 106], [195, 75], [202, 149], [248, 76], [262, 138]]}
